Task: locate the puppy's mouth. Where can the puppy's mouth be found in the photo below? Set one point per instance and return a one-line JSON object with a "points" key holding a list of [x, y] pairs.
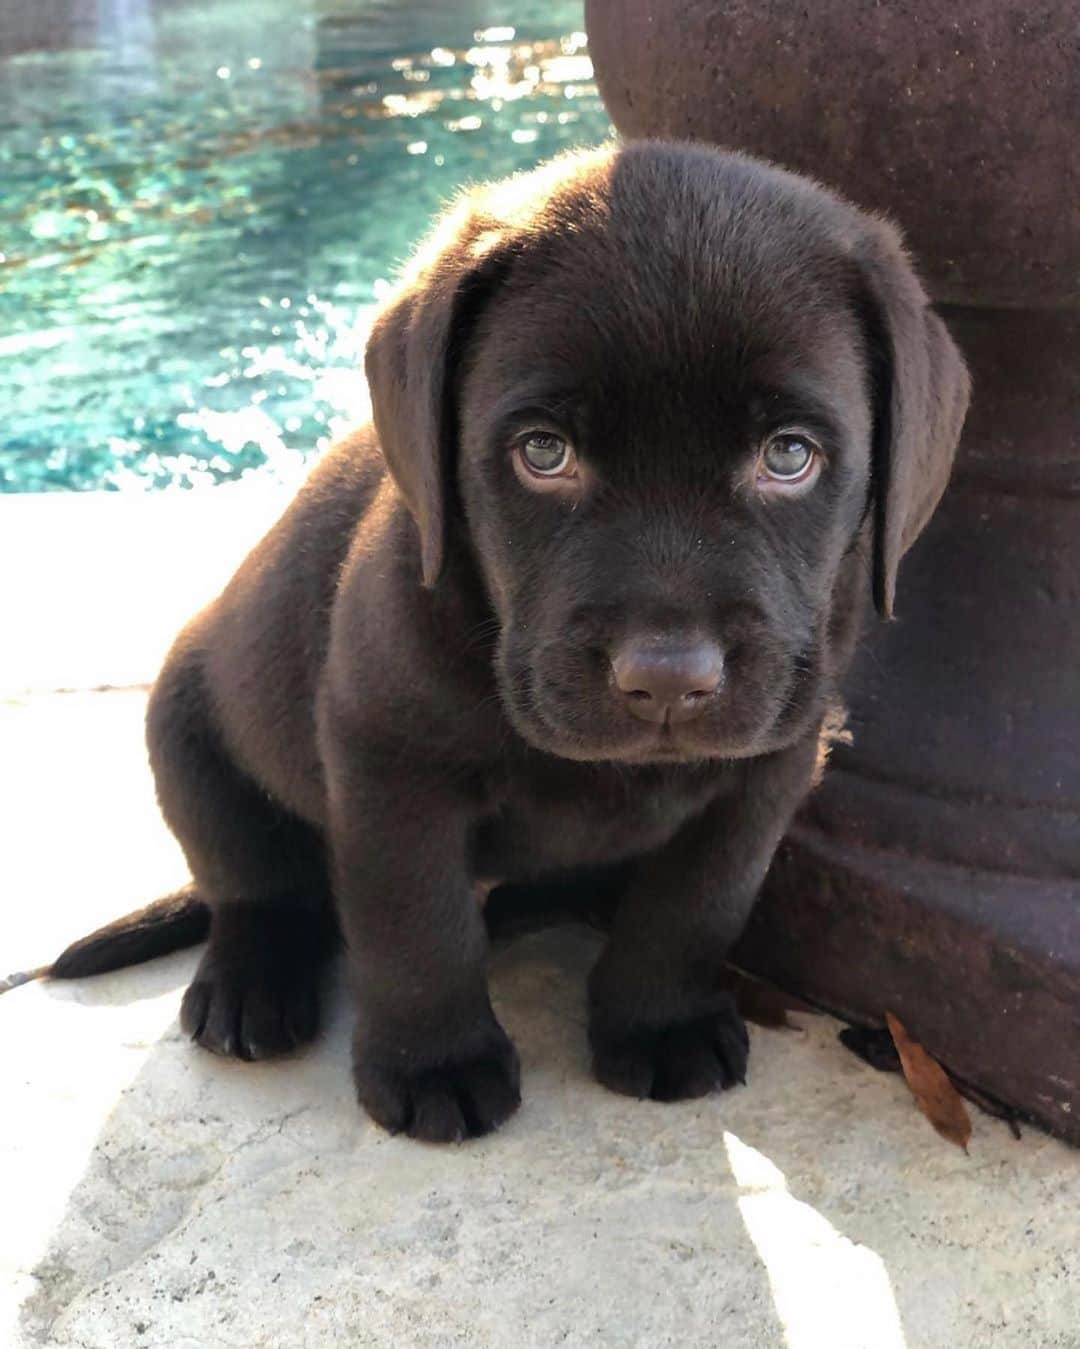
{"points": [[584, 724], [665, 743], [670, 744]]}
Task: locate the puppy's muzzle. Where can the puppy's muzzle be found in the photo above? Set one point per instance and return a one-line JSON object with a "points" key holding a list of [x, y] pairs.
{"points": [[666, 679]]}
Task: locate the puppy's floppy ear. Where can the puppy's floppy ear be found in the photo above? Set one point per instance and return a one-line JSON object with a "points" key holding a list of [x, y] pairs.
{"points": [[920, 390], [410, 364]]}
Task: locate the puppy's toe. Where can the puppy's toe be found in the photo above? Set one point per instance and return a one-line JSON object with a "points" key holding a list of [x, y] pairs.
{"points": [[695, 1059], [277, 1019], [249, 1014], [677, 1062], [195, 1008], [454, 1100]]}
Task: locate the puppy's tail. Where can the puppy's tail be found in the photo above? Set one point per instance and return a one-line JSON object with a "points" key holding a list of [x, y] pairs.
{"points": [[168, 924]]}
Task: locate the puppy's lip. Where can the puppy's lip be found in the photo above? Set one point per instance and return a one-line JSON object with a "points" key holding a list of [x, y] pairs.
{"points": [[667, 743], [667, 746], [668, 750]]}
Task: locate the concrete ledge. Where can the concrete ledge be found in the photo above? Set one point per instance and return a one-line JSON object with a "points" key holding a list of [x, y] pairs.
{"points": [[166, 1198], [97, 584]]}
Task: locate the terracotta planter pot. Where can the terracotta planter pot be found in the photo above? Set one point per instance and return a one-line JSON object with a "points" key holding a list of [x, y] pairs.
{"points": [[937, 871]]}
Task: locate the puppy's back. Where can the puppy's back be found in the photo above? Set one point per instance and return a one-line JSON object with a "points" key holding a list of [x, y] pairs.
{"points": [[258, 650]]}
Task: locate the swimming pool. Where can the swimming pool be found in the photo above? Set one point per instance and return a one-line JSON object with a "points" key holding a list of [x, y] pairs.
{"points": [[200, 203]]}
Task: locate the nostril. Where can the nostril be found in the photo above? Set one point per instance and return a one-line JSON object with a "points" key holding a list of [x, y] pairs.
{"points": [[705, 688]]}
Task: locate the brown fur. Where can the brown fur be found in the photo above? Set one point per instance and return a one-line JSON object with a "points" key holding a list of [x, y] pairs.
{"points": [[406, 690]]}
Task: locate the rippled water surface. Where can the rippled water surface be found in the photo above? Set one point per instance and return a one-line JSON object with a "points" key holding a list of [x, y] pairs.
{"points": [[200, 203]]}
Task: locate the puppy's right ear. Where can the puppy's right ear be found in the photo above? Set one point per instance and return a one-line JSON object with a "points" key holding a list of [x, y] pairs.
{"points": [[921, 391], [410, 364]]}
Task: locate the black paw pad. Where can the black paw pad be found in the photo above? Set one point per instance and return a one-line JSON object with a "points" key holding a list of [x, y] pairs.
{"points": [[676, 1062], [250, 1012], [447, 1102]]}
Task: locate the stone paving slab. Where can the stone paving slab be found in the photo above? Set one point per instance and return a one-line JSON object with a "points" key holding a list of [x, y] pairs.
{"points": [[155, 1196], [158, 1197]]}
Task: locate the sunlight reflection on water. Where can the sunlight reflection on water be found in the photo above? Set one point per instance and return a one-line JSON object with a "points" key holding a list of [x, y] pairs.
{"points": [[199, 215]]}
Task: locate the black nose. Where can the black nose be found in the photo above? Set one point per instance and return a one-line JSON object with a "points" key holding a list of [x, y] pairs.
{"points": [[667, 679]]}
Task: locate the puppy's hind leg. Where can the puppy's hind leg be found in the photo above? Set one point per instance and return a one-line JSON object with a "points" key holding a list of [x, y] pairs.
{"points": [[261, 871]]}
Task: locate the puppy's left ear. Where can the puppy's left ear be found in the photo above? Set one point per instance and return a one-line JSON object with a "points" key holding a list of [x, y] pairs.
{"points": [[920, 389], [410, 362]]}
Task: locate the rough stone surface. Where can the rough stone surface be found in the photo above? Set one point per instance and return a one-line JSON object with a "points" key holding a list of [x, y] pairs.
{"points": [[959, 120], [155, 1196]]}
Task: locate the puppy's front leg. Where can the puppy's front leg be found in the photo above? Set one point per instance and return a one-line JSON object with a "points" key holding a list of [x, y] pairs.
{"points": [[429, 1057], [662, 1023]]}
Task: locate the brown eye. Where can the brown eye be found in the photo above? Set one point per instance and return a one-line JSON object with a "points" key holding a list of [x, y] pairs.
{"points": [[788, 458], [547, 455]]}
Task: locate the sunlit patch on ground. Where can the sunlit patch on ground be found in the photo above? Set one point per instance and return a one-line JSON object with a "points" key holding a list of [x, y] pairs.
{"points": [[829, 1292]]}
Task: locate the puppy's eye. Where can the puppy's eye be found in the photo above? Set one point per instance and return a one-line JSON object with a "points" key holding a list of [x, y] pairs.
{"points": [[788, 458], [547, 455]]}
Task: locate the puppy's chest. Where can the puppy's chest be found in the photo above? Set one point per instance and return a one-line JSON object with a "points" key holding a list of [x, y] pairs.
{"points": [[546, 823]]}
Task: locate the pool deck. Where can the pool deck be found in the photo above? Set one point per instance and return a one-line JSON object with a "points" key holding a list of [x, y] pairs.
{"points": [[155, 1196]]}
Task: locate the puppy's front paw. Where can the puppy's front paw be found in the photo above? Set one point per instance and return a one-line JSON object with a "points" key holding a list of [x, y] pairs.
{"points": [[250, 1011], [676, 1062], [459, 1095]]}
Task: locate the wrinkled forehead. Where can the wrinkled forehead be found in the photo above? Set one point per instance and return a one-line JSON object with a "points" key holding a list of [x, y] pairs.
{"points": [[622, 326]]}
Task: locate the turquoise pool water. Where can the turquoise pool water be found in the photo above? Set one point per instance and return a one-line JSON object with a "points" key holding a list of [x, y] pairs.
{"points": [[201, 202]]}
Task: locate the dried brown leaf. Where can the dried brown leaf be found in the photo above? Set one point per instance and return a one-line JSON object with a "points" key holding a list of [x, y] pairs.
{"points": [[764, 1005], [938, 1099]]}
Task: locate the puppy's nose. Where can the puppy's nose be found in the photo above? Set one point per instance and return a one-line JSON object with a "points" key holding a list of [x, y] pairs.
{"points": [[667, 679]]}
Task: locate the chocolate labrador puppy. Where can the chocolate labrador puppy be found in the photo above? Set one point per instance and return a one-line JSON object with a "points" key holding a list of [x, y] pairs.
{"points": [[649, 423]]}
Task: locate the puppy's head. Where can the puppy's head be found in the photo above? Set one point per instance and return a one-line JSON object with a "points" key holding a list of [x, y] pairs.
{"points": [[665, 391]]}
